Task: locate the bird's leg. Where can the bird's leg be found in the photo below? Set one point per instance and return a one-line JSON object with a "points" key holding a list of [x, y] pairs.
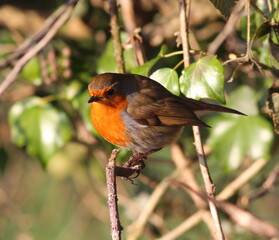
{"points": [[136, 164], [138, 158]]}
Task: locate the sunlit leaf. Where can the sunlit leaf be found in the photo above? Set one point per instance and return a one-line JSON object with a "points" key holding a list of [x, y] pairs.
{"points": [[168, 78], [39, 127], [203, 79], [233, 138], [244, 99]]}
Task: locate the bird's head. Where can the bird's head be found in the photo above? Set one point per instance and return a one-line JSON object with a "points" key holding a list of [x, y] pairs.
{"points": [[106, 89]]}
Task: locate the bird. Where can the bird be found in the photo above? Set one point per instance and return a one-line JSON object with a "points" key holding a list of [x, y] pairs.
{"points": [[137, 113]]}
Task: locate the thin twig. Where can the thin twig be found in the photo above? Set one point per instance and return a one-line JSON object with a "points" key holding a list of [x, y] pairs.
{"points": [[31, 41], [134, 32], [227, 192], [189, 223], [209, 186], [228, 29], [118, 50], [243, 218], [242, 179], [250, 222], [218, 234], [115, 225], [184, 31], [267, 185], [135, 230], [44, 40]]}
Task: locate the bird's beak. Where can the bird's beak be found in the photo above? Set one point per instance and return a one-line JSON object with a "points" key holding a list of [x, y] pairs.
{"points": [[93, 99]]}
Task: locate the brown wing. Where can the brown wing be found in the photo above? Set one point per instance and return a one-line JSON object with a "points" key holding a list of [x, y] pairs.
{"points": [[156, 106]]}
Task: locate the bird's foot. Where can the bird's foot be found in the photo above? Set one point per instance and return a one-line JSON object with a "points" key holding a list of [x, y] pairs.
{"points": [[135, 169]]}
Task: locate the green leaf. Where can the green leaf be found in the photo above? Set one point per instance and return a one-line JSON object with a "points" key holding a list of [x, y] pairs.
{"points": [[32, 72], [224, 6], [145, 68], [264, 29], [244, 99], [203, 79], [39, 127], [168, 78], [233, 138]]}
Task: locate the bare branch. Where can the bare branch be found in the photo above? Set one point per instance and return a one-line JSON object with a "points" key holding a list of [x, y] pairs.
{"points": [[115, 225]]}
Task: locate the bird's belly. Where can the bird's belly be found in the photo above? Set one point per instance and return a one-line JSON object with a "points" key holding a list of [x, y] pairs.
{"points": [[108, 122], [145, 138]]}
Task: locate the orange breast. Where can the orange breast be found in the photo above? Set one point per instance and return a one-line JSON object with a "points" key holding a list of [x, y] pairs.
{"points": [[108, 121]]}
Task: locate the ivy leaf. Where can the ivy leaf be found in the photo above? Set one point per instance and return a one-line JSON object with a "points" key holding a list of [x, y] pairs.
{"points": [[244, 99], [233, 137], [224, 6], [168, 78], [39, 127], [145, 68], [203, 79]]}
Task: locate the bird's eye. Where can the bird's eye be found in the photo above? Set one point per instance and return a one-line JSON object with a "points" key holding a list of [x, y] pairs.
{"points": [[110, 92]]}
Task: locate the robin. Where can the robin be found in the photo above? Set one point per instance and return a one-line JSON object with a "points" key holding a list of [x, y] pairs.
{"points": [[138, 113]]}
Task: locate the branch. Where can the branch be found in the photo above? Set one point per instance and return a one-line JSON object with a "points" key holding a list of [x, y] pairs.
{"points": [[241, 217], [135, 229], [228, 29], [218, 234], [118, 51], [248, 221], [129, 20], [44, 36], [115, 225]]}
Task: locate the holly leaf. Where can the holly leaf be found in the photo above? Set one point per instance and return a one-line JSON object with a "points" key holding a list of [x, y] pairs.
{"points": [[168, 78], [39, 127], [203, 79]]}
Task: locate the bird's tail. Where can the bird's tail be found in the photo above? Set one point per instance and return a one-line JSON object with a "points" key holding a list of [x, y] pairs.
{"points": [[200, 108]]}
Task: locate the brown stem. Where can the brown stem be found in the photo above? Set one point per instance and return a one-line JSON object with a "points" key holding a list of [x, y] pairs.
{"points": [[115, 225], [131, 27], [209, 186], [218, 234], [118, 50]]}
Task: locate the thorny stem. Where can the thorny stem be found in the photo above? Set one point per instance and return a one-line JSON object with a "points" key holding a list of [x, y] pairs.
{"points": [[199, 147]]}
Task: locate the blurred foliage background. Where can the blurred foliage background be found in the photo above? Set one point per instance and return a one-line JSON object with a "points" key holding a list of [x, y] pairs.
{"points": [[52, 181]]}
